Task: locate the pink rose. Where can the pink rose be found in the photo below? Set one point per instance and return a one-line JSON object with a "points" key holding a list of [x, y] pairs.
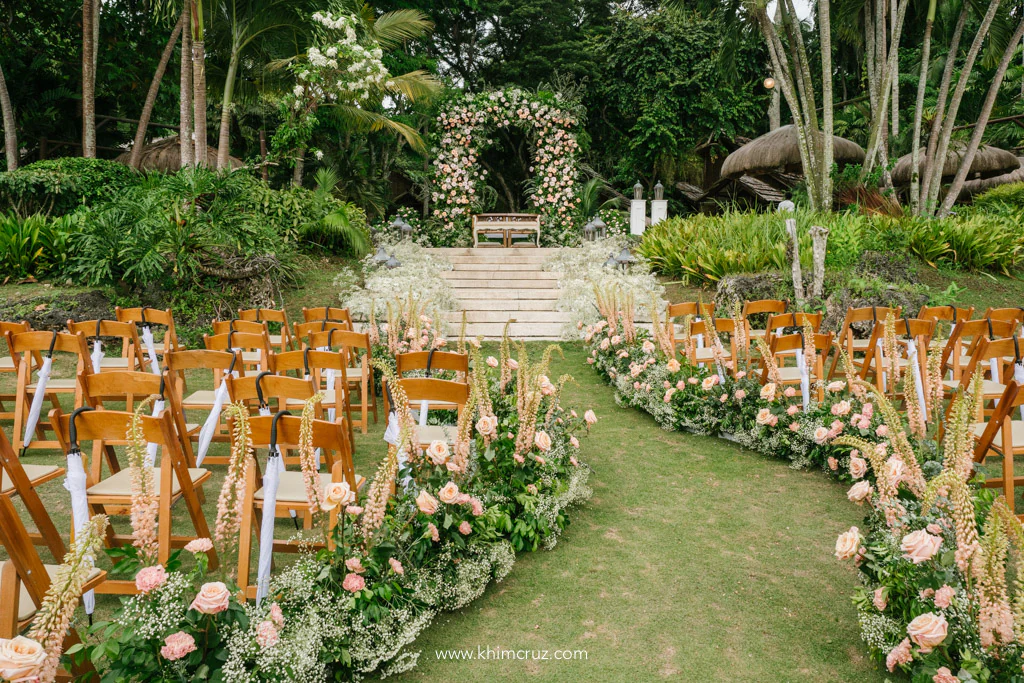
{"points": [[790, 392], [177, 645], [426, 503], [821, 435], [355, 564], [354, 509], [944, 675], [574, 442], [465, 529], [794, 426], [213, 598], [833, 464], [518, 458], [449, 494], [276, 615], [740, 395], [858, 467], [880, 599], [353, 583], [928, 631], [476, 507], [542, 441], [693, 380], [882, 431], [841, 408], [492, 361], [590, 418], [920, 546], [199, 545], [899, 655], [573, 461], [859, 492], [434, 535], [512, 364], [266, 635], [396, 566], [944, 597], [150, 578], [792, 410]]}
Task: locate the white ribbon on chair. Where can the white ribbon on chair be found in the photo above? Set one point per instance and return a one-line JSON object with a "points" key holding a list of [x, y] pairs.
{"points": [[271, 479], [805, 378], [147, 341], [151, 448], [265, 412], [212, 420], [915, 367], [75, 482], [37, 400], [97, 355], [1018, 377], [880, 364], [329, 378]]}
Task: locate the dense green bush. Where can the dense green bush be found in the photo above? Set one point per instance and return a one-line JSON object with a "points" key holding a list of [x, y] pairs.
{"points": [[34, 246], [974, 241], [1003, 198], [60, 186]]}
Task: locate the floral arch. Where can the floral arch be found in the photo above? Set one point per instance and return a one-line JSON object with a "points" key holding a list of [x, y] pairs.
{"points": [[458, 180]]}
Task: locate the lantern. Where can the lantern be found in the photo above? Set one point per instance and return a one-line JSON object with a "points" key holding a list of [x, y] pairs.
{"points": [[588, 231], [381, 257], [638, 191], [769, 83], [659, 191], [393, 263], [599, 227]]}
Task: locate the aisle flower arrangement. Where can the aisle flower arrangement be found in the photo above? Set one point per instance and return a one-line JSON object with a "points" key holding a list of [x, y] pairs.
{"points": [[427, 534]]}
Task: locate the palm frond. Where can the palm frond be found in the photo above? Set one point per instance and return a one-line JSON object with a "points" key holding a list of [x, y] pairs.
{"points": [[416, 85], [394, 28], [372, 122]]}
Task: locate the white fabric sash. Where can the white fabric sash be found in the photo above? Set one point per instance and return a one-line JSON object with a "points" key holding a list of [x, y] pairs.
{"points": [[75, 483], [915, 367], [271, 479], [97, 355], [147, 341], [805, 378], [212, 420], [151, 448], [37, 400], [1018, 377]]}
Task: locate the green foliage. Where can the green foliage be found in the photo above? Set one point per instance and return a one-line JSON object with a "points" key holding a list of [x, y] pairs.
{"points": [[1004, 198], [977, 241], [33, 246], [59, 186]]}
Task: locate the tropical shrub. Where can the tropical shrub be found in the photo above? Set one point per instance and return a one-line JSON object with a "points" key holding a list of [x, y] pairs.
{"points": [[60, 186], [1004, 198], [975, 241], [34, 246]]}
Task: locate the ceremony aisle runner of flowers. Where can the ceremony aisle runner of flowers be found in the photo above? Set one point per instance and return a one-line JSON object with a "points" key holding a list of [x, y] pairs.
{"points": [[936, 550]]}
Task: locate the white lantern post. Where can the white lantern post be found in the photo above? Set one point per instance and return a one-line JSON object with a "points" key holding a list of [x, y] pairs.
{"points": [[659, 205], [638, 211]]}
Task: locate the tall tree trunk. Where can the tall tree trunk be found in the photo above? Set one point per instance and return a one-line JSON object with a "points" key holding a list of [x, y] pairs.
{"points": [[10, 126], [185, 112], [775, 108], [828, 125], [88, 82], [300, 162], [199, 81], [264, 171], [878, 135], [154, 88], [895, 115], [979, 128], [954, 105], [223, 140], [940, 108], [922, 82]]}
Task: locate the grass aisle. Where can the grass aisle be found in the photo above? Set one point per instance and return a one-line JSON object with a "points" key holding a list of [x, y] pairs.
{"points": [[695, 560]]}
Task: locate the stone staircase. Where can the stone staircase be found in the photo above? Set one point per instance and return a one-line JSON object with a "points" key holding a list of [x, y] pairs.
{"points": [[494, 285]]}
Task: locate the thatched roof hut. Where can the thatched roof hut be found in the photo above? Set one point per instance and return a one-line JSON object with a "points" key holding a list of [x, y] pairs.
{"points": [[780, 151], [988, 163], [165, 155], [975, 187]]}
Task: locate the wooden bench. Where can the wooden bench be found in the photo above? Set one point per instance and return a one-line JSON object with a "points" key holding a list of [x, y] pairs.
{"points": [[506, 230]]}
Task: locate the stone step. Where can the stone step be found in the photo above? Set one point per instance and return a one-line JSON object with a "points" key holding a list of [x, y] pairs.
{"points": [[505, 294], [491, 267], [499, 315], [511, 305], [484, 260], [517, 330], [535, 275], [501, 283], [449, 252]]}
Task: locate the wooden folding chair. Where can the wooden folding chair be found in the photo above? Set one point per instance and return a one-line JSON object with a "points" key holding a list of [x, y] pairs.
{"points": [[359, 373], [254, 346], [283, 339], [1003, 436], [964, 339], [127, 338], [907, 330], [847, 339], [761, 307], [268, 394], [303, 331], [18, 479], [1011, 315], [218, 364], [238, 325], [24, 582], [694, 308], [431, 390], [282, 430], [786, 346], [7, 365], [24, 348], [329, 372], [725, 327], [328, 313], [992, 357], [173, 478], [951, 314], [155, 319]]}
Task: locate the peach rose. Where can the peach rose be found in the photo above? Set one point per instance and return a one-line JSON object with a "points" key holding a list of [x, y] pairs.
{"points": [[438, 452], [944, 675], [944, 597], [859, 492], [449, 494], [337, 493], [709, 382], [589, 417], [492, 361], [176, 646], [928, 631], [396, 566], [199, 545], [355, 564], [841, 408], [899, 655], [426, 503], [512, 364], [768, 392], [848, 543], [487, 425], [880, 599], [789, 392], [792, 410], [266, 634], [434, 535], [465, 529], [213, 598], [574, 442], [353, 583], [673, 365], [821, 435], [21, 658], [833, 387], [858, 467], [542, 441], [894, 468], [150, 578], [920, 546]]}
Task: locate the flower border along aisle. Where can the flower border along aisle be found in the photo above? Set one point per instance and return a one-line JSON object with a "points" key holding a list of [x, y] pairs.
{"points": [[392, 561], [937, 549]]}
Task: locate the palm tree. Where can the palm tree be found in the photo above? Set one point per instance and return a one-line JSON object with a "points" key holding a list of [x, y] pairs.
{"points": [[88, 80], [245, 21], [185, 102], [10, 129], [199, 79], [154, 88]]}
